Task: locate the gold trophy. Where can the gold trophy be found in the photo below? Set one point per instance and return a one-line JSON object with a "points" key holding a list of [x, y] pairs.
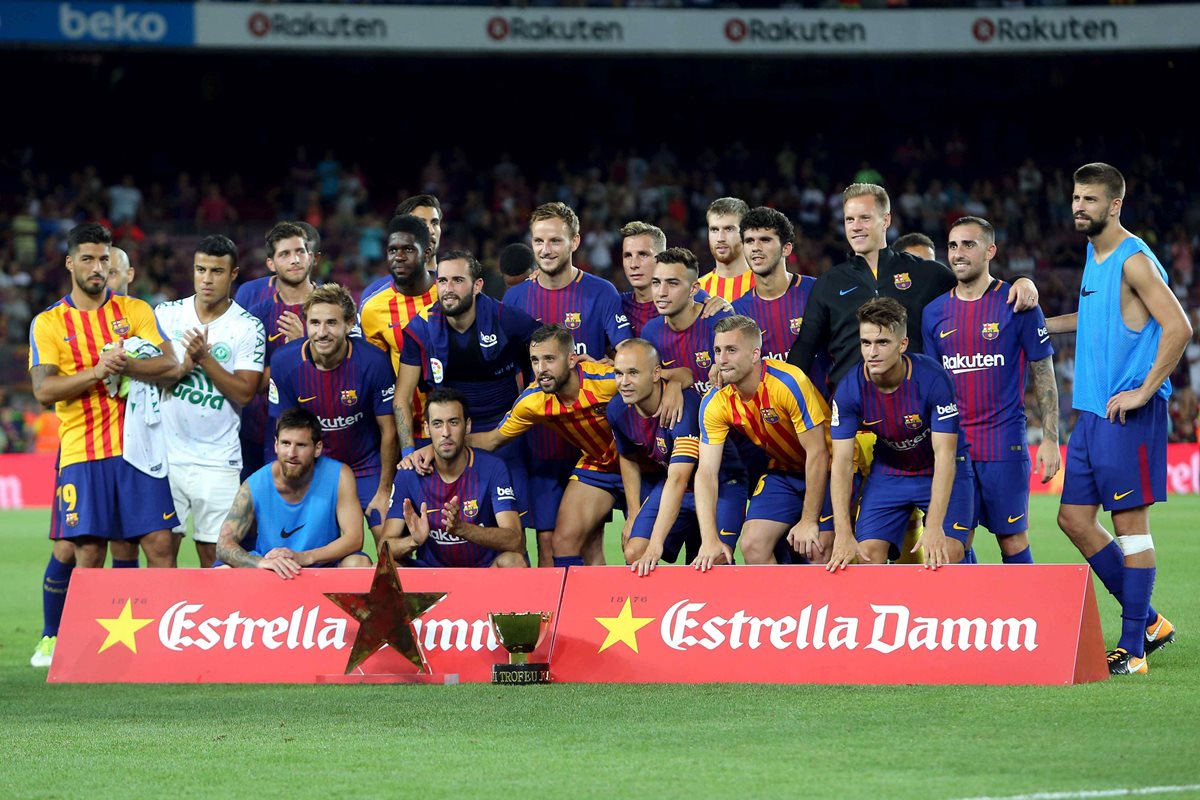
{"points": [[520, 633]]}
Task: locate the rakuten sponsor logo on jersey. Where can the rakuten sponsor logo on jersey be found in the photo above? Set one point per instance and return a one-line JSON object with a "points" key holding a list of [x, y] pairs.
{"points": [[340, 423], [892, 628], [184, 627], [548, 29], [316, 26], [973, 363], [787, 30], [907, 444]]}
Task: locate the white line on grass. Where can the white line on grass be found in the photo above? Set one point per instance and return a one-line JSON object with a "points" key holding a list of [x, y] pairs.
{"points": [[1192, 787]]}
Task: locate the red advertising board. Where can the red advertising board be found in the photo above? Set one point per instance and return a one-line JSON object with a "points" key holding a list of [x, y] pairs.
{"points": [[868, 624], [249, 626], [26, 480]]}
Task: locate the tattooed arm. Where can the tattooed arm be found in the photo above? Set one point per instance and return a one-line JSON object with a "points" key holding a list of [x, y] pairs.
{"points": [[238, 524], [1048, 458], [406, 384], [50, 386]]}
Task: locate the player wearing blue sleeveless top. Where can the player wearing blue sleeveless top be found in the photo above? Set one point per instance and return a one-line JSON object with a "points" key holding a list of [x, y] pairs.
{"points": [[1130, 333], [464, 512], [299, 511], [920, 458]]}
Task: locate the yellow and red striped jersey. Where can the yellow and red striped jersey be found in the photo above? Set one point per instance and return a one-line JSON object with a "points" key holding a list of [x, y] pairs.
{"points": [[584, 423], [728, 288], [71, 339], [785, 405], [386, 314]]}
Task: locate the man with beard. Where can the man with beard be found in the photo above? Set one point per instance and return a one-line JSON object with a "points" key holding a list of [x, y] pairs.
{"points": [[298, 511], [731, 277], [471, 343], [251, 293], [464, 512], [385, 315], [428, 209], [68, 368], [986, 346], [348, 384], [1130, 332], [289, 258]]}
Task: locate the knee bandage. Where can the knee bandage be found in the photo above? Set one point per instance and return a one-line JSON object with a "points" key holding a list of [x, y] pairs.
{"points": [[1138, 543]]}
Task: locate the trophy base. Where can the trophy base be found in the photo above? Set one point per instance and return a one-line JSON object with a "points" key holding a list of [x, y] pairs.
{"points": [[447, 679], [518, 674]]}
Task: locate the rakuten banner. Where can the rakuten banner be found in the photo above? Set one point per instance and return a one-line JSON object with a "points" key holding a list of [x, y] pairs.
{"points": [[249, 626], [868, 624], [784, 32]]}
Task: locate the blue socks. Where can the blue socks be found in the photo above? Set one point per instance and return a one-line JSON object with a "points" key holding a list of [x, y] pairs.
{"points": [[118, 563], [568, 561], [1138, 584], [1109, 566], [1023, 557], [54, 594]]}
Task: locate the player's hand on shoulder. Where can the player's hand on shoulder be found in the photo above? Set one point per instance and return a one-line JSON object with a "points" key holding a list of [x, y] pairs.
{"points": [[1023, 295], [419, 460], [714, 305]]}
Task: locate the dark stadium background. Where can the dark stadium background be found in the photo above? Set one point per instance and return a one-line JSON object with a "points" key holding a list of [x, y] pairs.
{"points": [[569, 125]]}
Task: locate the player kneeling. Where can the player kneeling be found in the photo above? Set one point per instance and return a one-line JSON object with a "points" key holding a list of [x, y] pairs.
{"points": [[301, 510], [468, 510]]}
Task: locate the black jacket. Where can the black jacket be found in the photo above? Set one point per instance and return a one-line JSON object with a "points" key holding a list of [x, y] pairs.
{"points": [[829, 318]]}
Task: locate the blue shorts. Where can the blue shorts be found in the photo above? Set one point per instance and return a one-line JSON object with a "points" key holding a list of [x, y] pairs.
{"points": [[253, 458], [1118, 466], [547, 480], [888, 501], [608, 481], [731, 513], [1002, 496], [367, 486], [111, 499], [779, 497]]}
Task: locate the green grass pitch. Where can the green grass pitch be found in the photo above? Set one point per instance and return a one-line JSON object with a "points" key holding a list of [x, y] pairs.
{"points": [[605, 741]]}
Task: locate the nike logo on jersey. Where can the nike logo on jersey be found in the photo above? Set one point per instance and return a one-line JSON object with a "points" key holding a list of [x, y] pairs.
{"points": [[274, 337], [668, 363], [873, 422], [958, 527], [1014, 519], [1084, 292], [1122, 495], [844, 292], [70, 338], [944, 334], [307, 399], [285, 533]]}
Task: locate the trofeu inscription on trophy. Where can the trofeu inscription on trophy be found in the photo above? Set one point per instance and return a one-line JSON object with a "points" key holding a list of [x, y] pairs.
{"points": [[520, 633]]}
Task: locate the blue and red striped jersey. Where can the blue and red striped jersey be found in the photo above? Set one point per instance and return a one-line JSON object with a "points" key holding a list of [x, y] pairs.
{"points": [[986, 347], [347, 399], [691, 348], [484, 489], [256, 415], [251, 293], [903, 420]]}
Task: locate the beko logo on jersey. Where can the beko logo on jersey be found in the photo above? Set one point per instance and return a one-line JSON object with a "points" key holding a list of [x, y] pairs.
{"points": [[488, 339], [547, 29], [117, 25], [506, 492], [180, 628], [787, 29], [315, 25], [892, 628], [340, 423], [1038, 29], [946, 412], [972, 363]]}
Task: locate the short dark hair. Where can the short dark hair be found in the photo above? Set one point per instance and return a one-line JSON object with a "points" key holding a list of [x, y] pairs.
{"points": [[886, 313], [1101, 174], [410, 204], [472, 263], [312, 236], [281, 231], [296, 417], [679, 255], [448, 394], [517, 259], [88, 233], [988, 231], [914, 240], [407, 223], [555, 332], [763, 218], [220, 246]]}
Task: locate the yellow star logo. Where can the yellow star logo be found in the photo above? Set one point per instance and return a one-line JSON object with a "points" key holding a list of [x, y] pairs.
{"points": [[123, 629], [623, 628]]}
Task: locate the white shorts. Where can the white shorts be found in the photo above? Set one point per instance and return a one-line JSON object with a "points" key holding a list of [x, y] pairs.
{"points": [[205, 494]]}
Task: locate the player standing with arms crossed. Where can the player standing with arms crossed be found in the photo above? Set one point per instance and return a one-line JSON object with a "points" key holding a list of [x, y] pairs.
{"points": [[1130, 332]]}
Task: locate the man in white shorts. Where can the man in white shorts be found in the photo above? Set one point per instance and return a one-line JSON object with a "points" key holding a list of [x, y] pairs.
{"points": [[222, 347]]}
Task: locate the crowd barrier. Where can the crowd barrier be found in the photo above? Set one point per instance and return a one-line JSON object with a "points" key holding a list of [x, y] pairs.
{"points": [[974, 624]]}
